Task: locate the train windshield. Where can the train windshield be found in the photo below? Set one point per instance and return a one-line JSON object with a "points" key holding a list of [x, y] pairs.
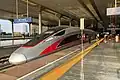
{"points": [[39, 38]]}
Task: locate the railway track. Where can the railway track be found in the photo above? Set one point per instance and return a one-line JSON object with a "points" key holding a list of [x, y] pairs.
{"points": [[4, 63]]}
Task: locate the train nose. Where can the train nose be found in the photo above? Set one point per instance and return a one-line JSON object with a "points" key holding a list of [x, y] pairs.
{"points": [[17, 59]]}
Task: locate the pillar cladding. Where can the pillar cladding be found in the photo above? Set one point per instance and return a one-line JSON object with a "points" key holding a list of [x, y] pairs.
{"points": [[40, 22]]}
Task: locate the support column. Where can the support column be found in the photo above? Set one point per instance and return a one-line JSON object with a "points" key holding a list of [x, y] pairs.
{"points": [[70, 23], [40, 22], [12, 29], [83, 37], [27, 9], [115, 3], [59, 17], [59, 23], [17, 9], [31, 28]]}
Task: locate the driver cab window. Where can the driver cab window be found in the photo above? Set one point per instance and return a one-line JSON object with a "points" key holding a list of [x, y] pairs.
{"points": [[60, 33]]}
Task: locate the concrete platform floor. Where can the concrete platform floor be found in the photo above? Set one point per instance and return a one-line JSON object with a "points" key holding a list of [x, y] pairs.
{"points": [[102, 63]]}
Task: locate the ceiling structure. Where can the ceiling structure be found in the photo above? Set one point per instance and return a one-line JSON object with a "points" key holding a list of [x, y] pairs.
{"points": [[68, 10]]}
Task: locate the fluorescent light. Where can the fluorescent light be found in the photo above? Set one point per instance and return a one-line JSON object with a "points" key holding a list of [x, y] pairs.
{"points": [[29, 2]]}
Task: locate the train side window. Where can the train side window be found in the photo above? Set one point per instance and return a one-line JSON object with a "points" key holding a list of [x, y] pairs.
{"points": [[60, 33], [69, 39]]}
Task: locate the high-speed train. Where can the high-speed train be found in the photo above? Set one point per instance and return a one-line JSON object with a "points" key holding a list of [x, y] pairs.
{"points": [[49, 41]]}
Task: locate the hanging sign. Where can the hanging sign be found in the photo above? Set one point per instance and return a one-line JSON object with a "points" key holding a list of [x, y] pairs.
{"points": [[23, 20], [113, 11]]}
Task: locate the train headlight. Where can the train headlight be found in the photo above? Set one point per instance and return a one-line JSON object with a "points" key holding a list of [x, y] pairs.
{"points": [[17, 59]]}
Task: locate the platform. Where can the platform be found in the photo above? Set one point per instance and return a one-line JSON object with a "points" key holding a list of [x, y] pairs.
{"points": [[102, 63]]}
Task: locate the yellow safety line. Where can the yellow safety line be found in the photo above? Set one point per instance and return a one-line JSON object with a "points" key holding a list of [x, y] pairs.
{"points": [[57, 72]]}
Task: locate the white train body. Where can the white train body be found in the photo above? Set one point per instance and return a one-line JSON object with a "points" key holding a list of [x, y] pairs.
{"points": [[48, 42]]}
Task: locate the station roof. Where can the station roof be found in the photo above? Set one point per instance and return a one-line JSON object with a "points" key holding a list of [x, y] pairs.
{"points": [[53, 9]]}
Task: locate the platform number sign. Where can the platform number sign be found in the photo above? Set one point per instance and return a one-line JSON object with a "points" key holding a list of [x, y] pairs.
{"points": [[23, 20]]}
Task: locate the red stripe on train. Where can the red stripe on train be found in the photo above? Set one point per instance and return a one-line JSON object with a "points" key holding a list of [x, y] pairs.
{"points": [[51, 48]]}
